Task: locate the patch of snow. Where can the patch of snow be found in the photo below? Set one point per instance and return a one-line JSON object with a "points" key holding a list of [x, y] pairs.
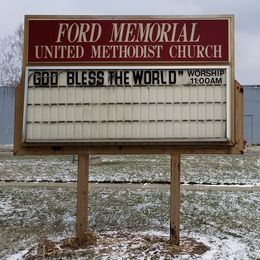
{"points": [[18, 256], [228, 248], [6, 146], [5, 206]]}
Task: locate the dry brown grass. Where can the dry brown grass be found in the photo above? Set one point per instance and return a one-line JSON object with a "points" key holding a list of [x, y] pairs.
{"points": [[187, 246], [50, 249], [75, 242], [120, 243], [45, 248]]}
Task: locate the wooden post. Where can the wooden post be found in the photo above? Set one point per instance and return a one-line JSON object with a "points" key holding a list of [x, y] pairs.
{"points": [[239, 117], [82, 195], [175, 200]]}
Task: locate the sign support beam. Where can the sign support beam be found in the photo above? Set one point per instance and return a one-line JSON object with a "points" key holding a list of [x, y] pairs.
{"points": [[82, 195], [175, 200]]}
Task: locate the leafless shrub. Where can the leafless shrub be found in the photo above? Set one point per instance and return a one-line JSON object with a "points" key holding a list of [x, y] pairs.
{"points": [[11, 51]]}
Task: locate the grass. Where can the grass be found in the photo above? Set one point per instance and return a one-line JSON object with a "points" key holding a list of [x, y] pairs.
{"points": [[131, 168], [28, 214], [33, 213]]}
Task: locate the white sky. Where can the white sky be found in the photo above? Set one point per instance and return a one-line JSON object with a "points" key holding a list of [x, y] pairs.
{"points": [[247, 20]]}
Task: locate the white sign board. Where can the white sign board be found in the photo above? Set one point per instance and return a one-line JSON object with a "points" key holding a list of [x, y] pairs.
{"points": [[127, 104]]}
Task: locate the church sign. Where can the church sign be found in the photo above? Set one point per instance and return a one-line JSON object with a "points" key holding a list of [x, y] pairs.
{"points": [[106, 82], [128, 39]]}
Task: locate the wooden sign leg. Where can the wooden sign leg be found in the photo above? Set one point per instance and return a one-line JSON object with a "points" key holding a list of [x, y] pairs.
{"points": [[175, 200], [82, 196]]}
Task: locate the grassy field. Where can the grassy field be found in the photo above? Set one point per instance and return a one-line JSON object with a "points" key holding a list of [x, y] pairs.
{"points": [[131, 168], [217, 218], [227, 222]]}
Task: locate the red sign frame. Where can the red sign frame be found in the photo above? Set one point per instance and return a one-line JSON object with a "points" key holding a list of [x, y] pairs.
{"points": [[129, 40]]}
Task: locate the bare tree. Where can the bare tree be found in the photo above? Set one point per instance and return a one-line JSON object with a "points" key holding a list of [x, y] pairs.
{"points": [[11, 49]]}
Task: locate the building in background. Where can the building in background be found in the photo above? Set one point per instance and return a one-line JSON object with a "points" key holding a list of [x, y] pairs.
{"points": [[251, 114], [7, 98]]}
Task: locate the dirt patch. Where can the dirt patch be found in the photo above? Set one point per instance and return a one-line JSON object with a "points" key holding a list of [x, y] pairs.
{"points": [[114, 246], [45, 248], [75, 243]]}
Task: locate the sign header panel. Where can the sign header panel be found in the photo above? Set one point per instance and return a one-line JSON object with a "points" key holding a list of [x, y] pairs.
{"points": [[128, 40], [126, 104]]}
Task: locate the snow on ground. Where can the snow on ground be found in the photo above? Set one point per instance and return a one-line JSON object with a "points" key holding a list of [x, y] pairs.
{"points": [[227, 222], [18, 256], [228, 248], [116, 246], [6, 147], [5, 206], [215, 169]]}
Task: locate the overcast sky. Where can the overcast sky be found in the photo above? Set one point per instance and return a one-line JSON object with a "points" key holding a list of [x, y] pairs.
{"points": [[247, 20]]}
